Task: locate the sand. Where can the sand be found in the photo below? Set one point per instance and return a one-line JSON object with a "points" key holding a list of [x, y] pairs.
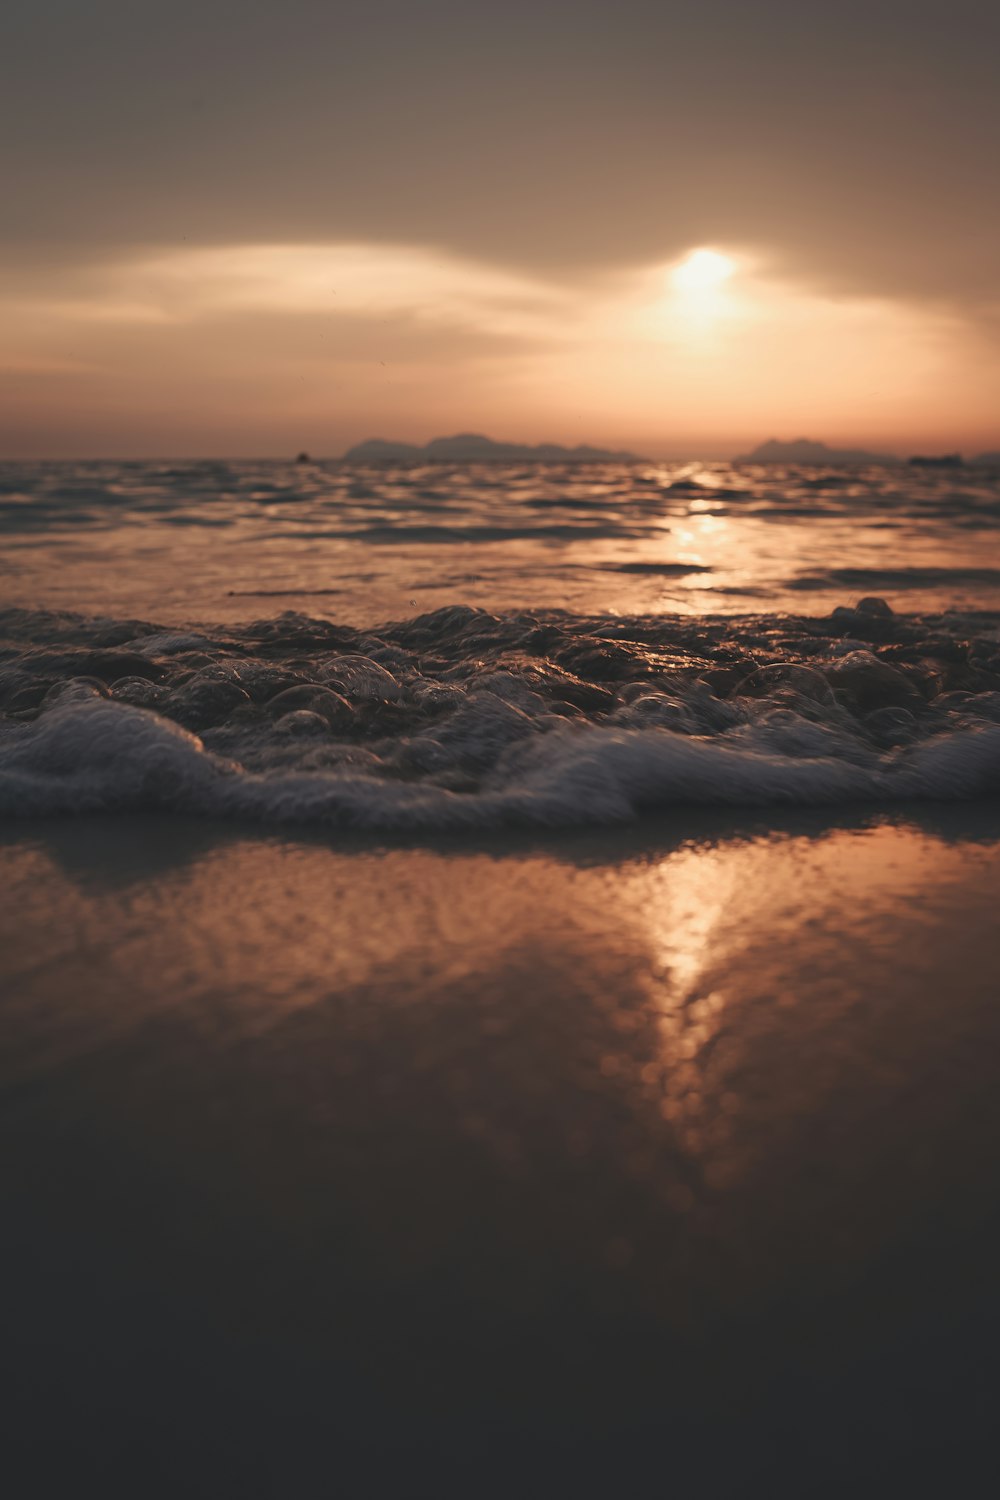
{"points": [[598, 1166]]}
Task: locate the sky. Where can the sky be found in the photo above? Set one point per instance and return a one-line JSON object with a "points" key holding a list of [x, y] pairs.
{"points": [[239, 228]]}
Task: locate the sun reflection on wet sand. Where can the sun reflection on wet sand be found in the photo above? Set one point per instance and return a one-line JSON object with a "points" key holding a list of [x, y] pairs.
{"points": [[775, 960], [661, 1118], [721, 985]]}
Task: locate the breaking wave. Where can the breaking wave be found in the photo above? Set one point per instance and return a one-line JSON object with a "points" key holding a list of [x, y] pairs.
{"points": [[460, 719]]}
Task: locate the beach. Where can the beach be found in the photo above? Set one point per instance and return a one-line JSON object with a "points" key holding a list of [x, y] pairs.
{"points": [[536, 1163], [499, 978]]}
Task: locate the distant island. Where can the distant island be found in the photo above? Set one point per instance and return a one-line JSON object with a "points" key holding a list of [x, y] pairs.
{"points": [[805, 451], [472, 447]]}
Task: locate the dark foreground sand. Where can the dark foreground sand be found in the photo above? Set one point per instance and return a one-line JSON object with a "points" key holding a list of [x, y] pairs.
{"points": [[626, 1165]]}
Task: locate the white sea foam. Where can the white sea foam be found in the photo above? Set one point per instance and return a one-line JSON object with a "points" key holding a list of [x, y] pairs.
{"points": [[463, 719], [91, 754]]}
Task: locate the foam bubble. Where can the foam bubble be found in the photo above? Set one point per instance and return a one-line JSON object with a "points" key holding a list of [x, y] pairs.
{"points": [[491, 721]]}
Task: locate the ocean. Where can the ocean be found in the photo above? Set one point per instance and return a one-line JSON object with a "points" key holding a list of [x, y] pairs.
{"points": [[499, 980], [234, 541], [430, 649]]}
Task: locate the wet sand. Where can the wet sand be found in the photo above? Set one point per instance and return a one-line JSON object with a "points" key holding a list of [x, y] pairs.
{"points": [[608, 1165]]}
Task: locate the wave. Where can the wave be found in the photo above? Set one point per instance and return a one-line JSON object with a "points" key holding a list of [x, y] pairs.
{"points": [[664, 569], [395, 535], [459, 719], [895, 578]]}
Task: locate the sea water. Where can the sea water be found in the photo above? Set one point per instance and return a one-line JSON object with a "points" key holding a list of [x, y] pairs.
{"points": [[420, 649]]}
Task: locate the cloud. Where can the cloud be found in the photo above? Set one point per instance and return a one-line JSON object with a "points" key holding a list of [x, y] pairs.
{"points": [[265, 347], [242, 346], [856, 142], [429, 288]]}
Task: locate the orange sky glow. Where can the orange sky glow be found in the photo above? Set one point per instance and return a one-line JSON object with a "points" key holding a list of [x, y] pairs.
{"points": [[247, 229], [265, 348]]}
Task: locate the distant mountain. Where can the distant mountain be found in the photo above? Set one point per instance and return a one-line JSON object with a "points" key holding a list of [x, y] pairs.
{"points": [[472, 447], [377, 450], [988, 460], [805, 451]]}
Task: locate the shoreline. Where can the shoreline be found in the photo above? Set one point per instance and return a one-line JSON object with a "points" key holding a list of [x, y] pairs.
{"points": [[461, 720], [107, 836]]}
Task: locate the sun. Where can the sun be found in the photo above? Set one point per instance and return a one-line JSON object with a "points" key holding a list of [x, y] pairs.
{"points": [[702, 269]]}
